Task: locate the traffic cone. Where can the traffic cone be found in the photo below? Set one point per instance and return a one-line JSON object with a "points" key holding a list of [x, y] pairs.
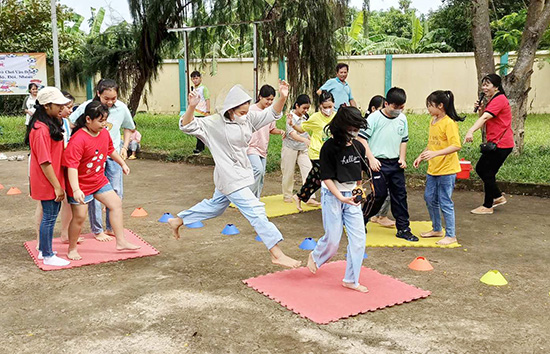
{"points": [[421, 264], [139, 212], [195, 225], [14, 191], [258, 238], [308, 244], [493, 277], [1, 187], [164, 218], [230, 229]]}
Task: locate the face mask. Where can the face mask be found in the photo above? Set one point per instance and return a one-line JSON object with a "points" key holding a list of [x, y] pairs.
{"points": [[394, 113], [326, 111], [240, 119]]}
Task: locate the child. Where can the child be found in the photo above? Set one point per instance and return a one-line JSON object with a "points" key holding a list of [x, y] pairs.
{"points": [[295, 146], [45, 138], [377, 103], [227, 135], [28, 104], [315, 127], [119, 118], [203, 107], [342, 160], [257, 147], [443, 165], [387, 134], [135, 146], [85, 162]]}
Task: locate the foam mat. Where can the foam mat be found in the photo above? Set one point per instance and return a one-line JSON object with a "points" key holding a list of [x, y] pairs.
{"points": [[379, 236], [275, 206]]}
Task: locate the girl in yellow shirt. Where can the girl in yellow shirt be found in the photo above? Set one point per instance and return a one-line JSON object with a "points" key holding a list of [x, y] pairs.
{"points": [[443, 165]]}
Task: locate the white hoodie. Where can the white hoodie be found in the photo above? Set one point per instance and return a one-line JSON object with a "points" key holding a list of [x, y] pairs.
{"points": [[228, 140]]}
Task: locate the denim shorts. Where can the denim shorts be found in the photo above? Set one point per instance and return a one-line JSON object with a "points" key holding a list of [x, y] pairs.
{"points": [[89, 198]]}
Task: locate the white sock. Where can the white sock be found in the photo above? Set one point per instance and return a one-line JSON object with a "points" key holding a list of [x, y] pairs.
{"points": [[42, 257], [56, 261]]}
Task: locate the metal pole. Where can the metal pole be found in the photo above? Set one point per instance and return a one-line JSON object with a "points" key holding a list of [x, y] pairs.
{"points": [[186, 58], [57, 76], [255, 49]]}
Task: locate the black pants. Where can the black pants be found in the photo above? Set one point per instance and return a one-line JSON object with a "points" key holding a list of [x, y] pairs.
{"points": [[313, 182], [200, 145], [390, 178], [487, 168]]}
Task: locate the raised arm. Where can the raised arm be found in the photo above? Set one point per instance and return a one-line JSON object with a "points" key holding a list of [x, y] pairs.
{"points": [[187, 117]]}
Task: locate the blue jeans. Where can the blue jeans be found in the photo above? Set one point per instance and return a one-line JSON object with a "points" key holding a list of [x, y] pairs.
{"points": [[258, 167], [438, 194], [113, 172], [336, 215], [250, 206], [90, 197], [50, 210]]}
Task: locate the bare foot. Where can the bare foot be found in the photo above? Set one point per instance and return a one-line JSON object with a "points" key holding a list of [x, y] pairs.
{"points": [[125, 245], [73, 254], [311, 263], [102, 237], [65, 239], [447, 241], [432, 233], [110, 232], [286, 261], [175, 224], [312, 202], [288, 200], [298, 202], [358, 287], [385, 222]]}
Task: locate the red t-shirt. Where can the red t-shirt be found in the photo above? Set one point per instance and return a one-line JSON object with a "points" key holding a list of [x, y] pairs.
{"points": [[88, 154], [499, 128], [44, 149]]}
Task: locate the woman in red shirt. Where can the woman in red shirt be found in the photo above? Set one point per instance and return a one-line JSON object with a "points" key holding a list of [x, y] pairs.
{"points": [[85, 158], [45, 138], [497, 119]]}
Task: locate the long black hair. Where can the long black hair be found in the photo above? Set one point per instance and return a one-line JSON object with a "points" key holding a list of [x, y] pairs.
{"points": [[54, 124], [266, 91], [376, 102], [346, 117], [448, 100], [496, 81], [105, 84], [94, 110]]}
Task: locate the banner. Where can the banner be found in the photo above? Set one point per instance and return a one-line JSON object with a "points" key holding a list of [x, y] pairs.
{"points": [[18, 70]]}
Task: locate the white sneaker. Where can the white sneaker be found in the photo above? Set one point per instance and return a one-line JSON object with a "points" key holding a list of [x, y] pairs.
{"points": [[20, 157], [12, 158], [3, 157], [56, 261], [40, 256]]}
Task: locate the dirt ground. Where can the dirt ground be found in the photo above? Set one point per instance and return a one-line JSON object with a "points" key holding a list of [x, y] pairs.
{"points": [[191, 299]]}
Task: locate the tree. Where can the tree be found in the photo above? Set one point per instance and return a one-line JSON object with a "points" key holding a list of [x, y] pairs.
{"points": [[517, 83]]}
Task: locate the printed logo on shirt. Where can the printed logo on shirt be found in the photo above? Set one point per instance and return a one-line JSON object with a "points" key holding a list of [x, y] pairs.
{"points": [[92, 167], [109, 126], [350, 159], [401, 128]]}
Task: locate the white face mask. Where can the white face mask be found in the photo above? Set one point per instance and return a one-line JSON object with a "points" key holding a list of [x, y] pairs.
{"points": [[240, 119], [326, 111], [394, 113]]}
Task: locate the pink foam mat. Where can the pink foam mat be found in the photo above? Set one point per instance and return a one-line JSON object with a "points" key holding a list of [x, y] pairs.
{"points": [[94, 252], [321, 298]]}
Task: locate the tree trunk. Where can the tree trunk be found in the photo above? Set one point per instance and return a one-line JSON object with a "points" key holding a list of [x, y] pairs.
{"points": [[137, 91], [483, 43]]}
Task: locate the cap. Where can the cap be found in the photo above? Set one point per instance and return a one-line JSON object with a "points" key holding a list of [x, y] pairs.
{"points": [[51, 94]]}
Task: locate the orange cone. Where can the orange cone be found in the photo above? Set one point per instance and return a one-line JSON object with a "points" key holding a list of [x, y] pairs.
{"points": [[421, 264], [139, 212], [14, 191], [1, 187]]}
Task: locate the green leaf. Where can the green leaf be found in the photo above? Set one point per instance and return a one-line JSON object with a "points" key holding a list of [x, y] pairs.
{"points": [[356, 26], [98, 21]]}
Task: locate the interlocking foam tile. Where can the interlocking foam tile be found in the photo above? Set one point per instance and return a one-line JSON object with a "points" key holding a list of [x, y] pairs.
{"points": [[321, 297], [275, 206], [94, 252], [379, 236]]}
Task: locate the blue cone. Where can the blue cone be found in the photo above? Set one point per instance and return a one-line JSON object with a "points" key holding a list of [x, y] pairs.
{"points": [[258, 238], [230, 229], [164, 218], [308, 244], [195, 225], [365, 256]]}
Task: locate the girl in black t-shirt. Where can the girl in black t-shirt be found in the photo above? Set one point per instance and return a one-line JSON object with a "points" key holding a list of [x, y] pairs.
{"points": [[342, 161]]}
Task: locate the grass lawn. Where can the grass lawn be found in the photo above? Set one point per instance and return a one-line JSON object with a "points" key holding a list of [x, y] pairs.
{"points": [[161, 134]]}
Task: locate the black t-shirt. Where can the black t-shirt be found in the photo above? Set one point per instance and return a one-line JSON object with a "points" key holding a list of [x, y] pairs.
{"points": [[342, 164]]}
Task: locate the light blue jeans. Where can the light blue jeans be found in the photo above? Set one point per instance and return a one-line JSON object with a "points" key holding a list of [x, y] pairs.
{"points": [[438, 197], [251, 208], [50, 210], [258, 167], [114, 173], [336, 215]]}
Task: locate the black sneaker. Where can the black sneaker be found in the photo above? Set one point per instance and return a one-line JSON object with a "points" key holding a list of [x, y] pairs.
{"points": [[406, 235]]}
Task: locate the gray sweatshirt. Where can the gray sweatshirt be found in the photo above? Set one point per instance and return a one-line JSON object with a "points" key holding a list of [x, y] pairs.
{"points": [[228, 143]]}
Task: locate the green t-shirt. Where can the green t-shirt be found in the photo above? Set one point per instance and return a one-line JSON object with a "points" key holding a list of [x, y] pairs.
{"points": [[385, 134]]}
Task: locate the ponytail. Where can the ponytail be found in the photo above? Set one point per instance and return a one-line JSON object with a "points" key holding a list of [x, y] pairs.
{"points": [[447, 99]]}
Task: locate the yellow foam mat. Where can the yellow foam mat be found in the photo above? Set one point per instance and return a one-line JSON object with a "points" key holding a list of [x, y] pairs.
{"points": [[379, 236], [275, 206]]}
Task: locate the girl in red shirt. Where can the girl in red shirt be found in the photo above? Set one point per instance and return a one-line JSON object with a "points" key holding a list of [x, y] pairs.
{"points": [[85, 158], [45, 138]]}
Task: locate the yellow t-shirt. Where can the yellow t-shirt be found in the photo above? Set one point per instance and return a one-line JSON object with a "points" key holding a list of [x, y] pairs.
{"points": [[315, 127], [443, 134]]}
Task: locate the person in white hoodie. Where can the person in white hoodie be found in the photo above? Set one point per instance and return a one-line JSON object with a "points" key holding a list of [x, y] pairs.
{"points": [[227, 135]]}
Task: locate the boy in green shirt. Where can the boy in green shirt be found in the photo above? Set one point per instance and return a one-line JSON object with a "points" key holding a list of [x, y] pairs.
{"points": [[203, 108]]}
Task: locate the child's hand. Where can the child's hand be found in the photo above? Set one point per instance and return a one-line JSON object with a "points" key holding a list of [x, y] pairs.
{"points": [[59, 194], [349, 200], [417, 162], [124, 153], [79, 196], [283, 88], [126, 169], [283, 134], [374, 164], [469, 137], [402, 163], [194, 99], [307, 142], [428, 155]]}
